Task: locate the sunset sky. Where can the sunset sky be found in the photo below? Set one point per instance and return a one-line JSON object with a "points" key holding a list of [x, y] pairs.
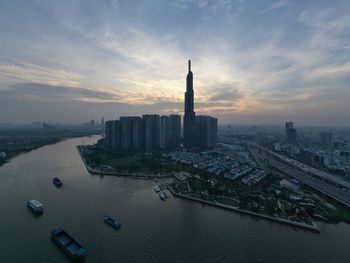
{"points": [[254, 62]]}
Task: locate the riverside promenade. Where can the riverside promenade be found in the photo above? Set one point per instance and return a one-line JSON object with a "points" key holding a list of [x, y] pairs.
{"points": [[312, 227]]}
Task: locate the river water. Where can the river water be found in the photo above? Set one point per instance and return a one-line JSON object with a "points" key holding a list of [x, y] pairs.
{"points": [[152, 231]]}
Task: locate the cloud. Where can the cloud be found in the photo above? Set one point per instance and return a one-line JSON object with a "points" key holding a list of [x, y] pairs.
{"points": [[205, 4], [135, 56], [39, 91], [330, 29], [115, 4], [185, 4], [29, 72], [226, 93]]}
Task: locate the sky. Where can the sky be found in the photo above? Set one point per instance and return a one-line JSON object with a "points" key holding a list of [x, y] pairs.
{"points": [[254, 62]]}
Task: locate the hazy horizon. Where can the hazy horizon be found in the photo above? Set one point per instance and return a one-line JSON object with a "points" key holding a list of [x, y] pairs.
{"points": [[253, 62]]}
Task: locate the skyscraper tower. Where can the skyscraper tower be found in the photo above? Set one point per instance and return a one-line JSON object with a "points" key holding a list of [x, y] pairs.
{"points": [[291, 133], [190, 115]]}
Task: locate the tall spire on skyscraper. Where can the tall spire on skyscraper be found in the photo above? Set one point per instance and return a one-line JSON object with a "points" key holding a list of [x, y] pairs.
{"points": [[190, 115]]}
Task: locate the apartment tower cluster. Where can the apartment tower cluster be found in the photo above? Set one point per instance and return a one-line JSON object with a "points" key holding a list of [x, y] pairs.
{"points": [[149, 132], [163, 132]]}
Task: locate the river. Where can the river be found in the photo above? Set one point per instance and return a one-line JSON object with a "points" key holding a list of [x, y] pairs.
{"points": [[152, 230]]}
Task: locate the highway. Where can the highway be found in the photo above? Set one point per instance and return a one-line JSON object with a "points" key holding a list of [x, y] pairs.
{"points": [[325, 183], [337, 193], [333, 179]]}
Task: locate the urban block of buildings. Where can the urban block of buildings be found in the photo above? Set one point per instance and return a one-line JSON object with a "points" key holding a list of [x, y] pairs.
{"points": [[152, 131]]}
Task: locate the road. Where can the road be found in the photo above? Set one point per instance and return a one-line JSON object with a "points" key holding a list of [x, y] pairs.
{"points": [[323, 182]]}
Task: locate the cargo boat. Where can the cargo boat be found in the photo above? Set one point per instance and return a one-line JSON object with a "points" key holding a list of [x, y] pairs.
{"points": [[56, 181], [112, 222], [35, 206], [68, 244]]}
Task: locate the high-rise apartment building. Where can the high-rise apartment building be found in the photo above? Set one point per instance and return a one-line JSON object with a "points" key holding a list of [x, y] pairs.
{"points": [[206, 131], [326, 139], [291, 133], [151, 126], [108, 134], [175, 130], [131, 133], [164, 132], [112, 134]]}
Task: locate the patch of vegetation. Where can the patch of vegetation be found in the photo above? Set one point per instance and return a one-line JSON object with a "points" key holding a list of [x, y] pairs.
{"points": [[197, 185], [342, 213], [123, 161], [131, 161]]}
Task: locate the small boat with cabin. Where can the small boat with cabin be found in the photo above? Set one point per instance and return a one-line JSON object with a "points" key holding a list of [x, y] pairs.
{"points": [[162, 195], [56, 181], [157, 188], [35, 206], [68, 244], [112, 222]]}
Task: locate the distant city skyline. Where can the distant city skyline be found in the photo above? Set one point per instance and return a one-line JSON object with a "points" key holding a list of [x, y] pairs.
{"points": [[257, 62]]}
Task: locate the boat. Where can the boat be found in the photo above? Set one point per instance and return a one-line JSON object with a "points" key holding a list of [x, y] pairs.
{"points": [[157, 188], [162, 195], [56, 181], [68, 244], [112, 222], [35, 206]]}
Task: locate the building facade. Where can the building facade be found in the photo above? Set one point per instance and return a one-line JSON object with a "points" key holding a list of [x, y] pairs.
{"points": [[206, 131], [164, 132], [108, 134], [151, 126], [175, 130]]}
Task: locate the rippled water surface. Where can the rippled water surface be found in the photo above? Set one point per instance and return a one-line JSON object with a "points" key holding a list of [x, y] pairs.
{"points": [[152, 231]]}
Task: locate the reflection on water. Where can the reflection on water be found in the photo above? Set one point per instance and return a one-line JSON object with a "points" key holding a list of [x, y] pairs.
{"points": [[152, 231]]}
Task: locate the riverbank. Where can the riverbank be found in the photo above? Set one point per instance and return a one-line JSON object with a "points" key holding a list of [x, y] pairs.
{"points": [[312, 227], [27, 150], [14, 142], [91, 170]]}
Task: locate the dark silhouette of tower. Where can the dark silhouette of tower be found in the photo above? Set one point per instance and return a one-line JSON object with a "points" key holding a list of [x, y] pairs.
{"points": [[291, 133], [190, 115]]}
